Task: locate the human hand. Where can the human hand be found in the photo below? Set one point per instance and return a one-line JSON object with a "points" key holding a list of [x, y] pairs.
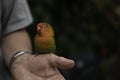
{"points": [[40, 67]]}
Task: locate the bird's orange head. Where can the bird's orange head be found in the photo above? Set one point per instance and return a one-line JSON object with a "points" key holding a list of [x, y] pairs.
{"points": [[45, 29]]}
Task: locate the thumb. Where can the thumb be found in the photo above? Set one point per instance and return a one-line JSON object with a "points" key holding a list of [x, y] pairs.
{"points": [[61, 62]]}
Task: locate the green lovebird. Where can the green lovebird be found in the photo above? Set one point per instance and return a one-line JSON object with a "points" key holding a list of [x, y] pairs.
{"points": [[44, 41]]}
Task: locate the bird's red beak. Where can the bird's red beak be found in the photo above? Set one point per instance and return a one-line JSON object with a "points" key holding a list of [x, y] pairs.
{"points": [[38, 29]]}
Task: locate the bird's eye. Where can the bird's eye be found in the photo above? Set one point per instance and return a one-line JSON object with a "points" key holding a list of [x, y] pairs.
{"points": [[45, 26]]}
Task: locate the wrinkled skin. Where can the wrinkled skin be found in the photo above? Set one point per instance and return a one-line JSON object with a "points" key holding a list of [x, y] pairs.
{"points": [[40, 67]]}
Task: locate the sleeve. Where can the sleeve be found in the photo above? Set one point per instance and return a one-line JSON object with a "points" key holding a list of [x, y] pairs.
{"points": [[18, 17]]}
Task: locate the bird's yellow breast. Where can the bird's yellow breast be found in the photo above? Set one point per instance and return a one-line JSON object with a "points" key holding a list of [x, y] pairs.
{"points": [[44, 44]]}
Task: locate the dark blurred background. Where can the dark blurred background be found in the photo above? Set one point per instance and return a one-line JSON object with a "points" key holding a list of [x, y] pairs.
{"points": [[87, 31]]}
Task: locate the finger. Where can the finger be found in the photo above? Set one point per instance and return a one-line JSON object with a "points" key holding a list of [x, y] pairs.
{"points": [[61, 62]]}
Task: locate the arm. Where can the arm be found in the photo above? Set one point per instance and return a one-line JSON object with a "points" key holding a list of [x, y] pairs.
{"points": [[14, 42]]}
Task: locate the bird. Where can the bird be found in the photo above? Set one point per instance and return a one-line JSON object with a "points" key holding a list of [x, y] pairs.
{"points": [[44, 41]]}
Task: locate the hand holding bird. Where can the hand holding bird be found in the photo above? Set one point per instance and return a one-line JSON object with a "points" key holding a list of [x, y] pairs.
{"points": [[44, 66]]}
